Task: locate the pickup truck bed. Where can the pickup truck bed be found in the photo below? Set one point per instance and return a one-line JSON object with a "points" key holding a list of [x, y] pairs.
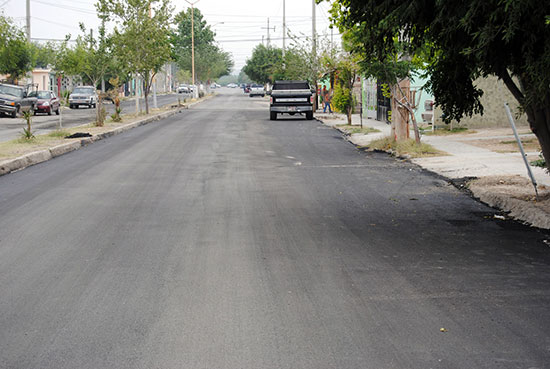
{"points": [[290, 97]]}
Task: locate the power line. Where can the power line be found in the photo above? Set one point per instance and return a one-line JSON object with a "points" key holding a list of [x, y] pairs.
{"points": [[255, 16], [276, 39], [51, 39], [52, 22], [66, 7]]}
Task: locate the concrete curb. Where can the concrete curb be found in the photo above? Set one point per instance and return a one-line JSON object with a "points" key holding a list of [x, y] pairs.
{"points": [[515, 208], [27, 160]]}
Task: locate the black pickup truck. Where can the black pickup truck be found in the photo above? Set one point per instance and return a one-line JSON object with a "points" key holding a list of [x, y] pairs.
{"points": [[291, 97]]}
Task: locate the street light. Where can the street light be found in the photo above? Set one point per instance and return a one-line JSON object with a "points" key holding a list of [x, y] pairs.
{"points": [[195, 91]]}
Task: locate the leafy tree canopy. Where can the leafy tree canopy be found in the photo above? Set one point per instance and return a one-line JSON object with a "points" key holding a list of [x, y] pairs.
{"points": [[466, 39], [43, 55], [265, 64], [211, 62], [141, 37], [15, 51], [89, 58]]}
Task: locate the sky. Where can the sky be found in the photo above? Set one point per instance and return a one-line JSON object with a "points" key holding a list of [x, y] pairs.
{"points": [[239, 24]]}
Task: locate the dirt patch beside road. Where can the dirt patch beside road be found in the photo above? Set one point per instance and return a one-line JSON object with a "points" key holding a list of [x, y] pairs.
{"points": [[507, 145], [515, 195]]}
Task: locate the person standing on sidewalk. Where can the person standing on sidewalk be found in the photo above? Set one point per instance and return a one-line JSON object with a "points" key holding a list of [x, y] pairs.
{"points": [[326, 100]]}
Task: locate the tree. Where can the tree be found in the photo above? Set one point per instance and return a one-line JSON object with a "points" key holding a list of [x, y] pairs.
{"points": [[228, 79], [243, 78], [90, 59], [345, 74], [265, 64], [393, 68], [467, 39], [15, 51], [299, 62], [210, 61], [43, 55], [141, 38]]}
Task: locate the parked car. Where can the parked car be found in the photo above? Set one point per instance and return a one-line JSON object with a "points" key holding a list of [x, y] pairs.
{"points": [[256, 90], [47, 102], [14, 100], [84, 95], [184, 89], [232, 85]]}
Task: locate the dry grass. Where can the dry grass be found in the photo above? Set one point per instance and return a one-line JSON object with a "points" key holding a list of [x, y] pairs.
{"points": [[407, 147], [505, 146], [18, 147], [445, 131], [357, 129]]}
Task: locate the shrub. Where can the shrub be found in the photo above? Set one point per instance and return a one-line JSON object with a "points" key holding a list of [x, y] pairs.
{"points": [[343, 100]]}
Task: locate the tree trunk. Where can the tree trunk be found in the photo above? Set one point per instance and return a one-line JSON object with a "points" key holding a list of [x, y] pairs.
{"points": [[539, 121], [401, 113], [393, 110], [415, 125], [146, 101], [146, 86], [538, 114]]}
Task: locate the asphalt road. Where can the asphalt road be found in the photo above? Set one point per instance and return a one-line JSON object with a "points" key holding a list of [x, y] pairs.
{"points": [[220, 239], [11, 128]]}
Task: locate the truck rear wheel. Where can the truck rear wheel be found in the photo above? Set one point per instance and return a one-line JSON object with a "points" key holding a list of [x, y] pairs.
{"points": [[272, 115], [309, 115]]}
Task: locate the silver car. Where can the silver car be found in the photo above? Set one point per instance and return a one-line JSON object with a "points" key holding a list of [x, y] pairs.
{"points": [[84, 95]]}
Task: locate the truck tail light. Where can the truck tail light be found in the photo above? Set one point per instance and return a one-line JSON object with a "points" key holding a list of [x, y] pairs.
{"points": [[312, 99], [271, 100]]}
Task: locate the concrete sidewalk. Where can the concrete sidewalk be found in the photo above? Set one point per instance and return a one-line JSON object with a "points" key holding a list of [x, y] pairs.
{"points": [[463, 159]]}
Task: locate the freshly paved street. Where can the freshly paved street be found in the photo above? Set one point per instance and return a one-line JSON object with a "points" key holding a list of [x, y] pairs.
{"points": [[220, 239]]}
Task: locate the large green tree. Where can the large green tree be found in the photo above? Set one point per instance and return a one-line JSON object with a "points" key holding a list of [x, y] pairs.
{"points": [[468, 39], [43, 55], [15, 51], [211, 62], [89, 58], [141, 38], [265, 64]]}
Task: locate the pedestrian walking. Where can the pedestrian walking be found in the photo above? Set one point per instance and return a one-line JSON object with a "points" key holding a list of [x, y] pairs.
{"points": [[326, 100]]}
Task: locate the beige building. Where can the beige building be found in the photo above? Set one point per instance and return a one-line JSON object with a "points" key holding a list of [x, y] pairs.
{"points": [[495, 94], [42, 78]]}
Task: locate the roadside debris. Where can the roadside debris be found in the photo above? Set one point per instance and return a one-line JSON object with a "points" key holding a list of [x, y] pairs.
{"points": [[79, 135]]}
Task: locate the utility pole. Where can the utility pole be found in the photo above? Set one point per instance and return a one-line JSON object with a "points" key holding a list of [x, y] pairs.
{"points": [[153, 80], [29, 20], [284, 27], [268, 29], [195, 90], [314, 52], [30, 76]]}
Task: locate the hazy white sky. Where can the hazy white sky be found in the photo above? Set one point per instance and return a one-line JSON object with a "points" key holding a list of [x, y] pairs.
{"points": [[240, 31]]}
